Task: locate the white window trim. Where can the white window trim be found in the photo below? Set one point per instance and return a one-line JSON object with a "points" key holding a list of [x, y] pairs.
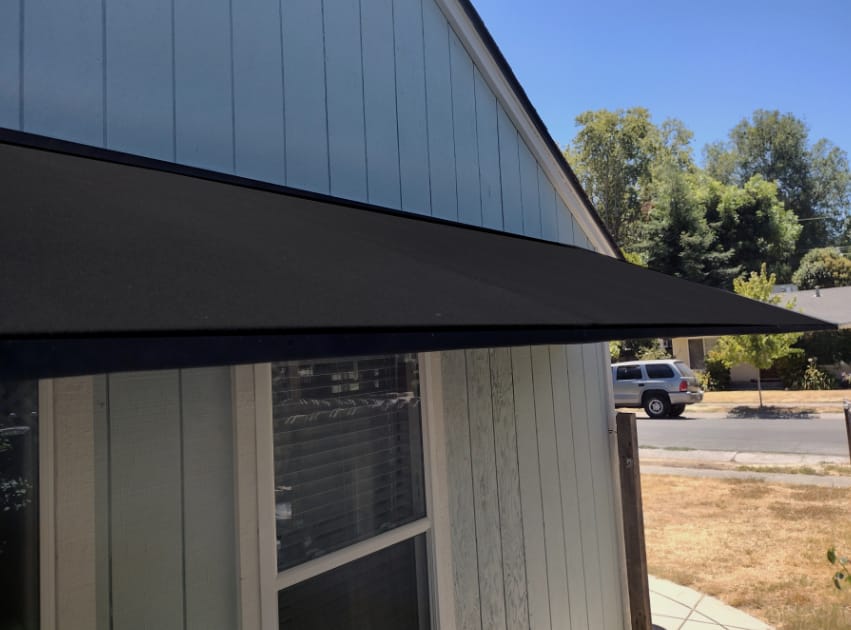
{"points": [[255, 504]]}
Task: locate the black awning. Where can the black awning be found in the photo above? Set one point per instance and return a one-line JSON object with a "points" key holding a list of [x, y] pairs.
{"points": [[111, 262]]}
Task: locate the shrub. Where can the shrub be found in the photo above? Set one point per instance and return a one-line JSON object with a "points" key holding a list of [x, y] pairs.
{"points": [[791, 368], [716, 375], [815, 378]]}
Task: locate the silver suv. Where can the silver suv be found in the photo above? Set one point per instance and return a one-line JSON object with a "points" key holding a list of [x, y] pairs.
{"points": [[663, 388]]}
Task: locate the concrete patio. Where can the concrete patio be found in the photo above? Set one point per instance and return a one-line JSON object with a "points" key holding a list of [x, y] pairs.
{"points": [[676, 607]]}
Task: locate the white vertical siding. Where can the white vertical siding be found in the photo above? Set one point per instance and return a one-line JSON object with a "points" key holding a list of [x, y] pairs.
{"points": [[63, 68], [488, 137], [466, 142], [538, 449], [304, 95], [10, 63], [258, 92], [146, 518], [140, 78], [370, 100], [203, 84], [411, 105], [346, 136]]}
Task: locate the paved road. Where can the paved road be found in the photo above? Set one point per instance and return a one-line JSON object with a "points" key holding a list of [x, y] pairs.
{"points": [[823, 435]]}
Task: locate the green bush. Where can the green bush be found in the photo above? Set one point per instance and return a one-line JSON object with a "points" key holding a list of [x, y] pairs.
{"points": [[815, 378], [828, 346], [791, 368], [715, 376], [823, 267]]}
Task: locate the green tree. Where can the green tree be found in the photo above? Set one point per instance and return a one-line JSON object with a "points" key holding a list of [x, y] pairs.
{"points": [[612, 153], [677, 238], [823, 267], [750, 221], [758, 350], [812, 180]]}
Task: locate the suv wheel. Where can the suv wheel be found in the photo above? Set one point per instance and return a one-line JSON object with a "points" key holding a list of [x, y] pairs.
{"points": [[677, 410], [657, 405]]}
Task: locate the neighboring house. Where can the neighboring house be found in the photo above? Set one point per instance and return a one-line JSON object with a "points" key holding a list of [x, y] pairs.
{"points": [[831, 305], [254, 372]]}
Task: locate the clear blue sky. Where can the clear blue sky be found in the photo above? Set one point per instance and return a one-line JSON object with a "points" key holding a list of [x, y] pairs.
{"points": [[708, 63]]}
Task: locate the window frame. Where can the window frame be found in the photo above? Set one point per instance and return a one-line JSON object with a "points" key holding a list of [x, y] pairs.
{"points": [[259, 579]]}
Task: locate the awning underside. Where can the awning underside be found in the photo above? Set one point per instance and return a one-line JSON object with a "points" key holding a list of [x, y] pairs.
{"points": [[110, 265]]}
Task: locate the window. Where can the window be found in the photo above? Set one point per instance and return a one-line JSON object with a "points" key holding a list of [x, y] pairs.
{"points": [[19, 502], [659, 370], [349, 475], [629, 372], [696, 354]]}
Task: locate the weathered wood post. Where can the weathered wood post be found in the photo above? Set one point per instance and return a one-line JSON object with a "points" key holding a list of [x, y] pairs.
{"points": [[847, 405], [633, 522]]}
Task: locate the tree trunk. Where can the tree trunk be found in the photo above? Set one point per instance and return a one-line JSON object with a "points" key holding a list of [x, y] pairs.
{"points": [[759, 386]]}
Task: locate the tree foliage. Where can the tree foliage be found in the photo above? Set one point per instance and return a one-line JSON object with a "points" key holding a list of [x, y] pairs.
{"points": [[823, 267], [612, 154], [759, 351], [751, 223], [813, 180]]}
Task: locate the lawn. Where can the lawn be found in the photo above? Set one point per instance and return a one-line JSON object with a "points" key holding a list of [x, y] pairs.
{"points": [[756, 546], [778, 397]]}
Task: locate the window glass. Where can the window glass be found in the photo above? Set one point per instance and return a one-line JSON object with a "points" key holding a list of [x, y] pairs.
{"points": [[19, 586], [659, 370], [348, 452], [387, 589], [684, 369], [629, 372]]}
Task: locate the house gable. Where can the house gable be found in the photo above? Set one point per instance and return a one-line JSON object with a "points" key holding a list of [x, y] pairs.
{"points": [[348, 98]]}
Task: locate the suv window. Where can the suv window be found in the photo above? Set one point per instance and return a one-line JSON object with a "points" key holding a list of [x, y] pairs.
{"points": [[627, 372], [659, 370], [684, 369]]}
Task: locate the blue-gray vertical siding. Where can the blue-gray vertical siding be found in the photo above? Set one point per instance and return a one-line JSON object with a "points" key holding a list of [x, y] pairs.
{"points": [[371, 100]]}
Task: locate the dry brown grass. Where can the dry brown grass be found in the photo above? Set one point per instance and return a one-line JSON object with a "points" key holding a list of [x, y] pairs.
{"points": [[778, 397], [756, 546]]}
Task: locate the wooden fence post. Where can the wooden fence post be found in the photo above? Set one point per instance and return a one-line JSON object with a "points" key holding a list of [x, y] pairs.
{"points": [[847, 405], [633, 522]]}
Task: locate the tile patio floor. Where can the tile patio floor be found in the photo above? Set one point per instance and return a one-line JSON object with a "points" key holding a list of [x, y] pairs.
{"points": [[676, 607]]}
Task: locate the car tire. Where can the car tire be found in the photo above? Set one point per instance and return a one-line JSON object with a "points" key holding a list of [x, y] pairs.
{"points": [[677, 410], [657, 405]]}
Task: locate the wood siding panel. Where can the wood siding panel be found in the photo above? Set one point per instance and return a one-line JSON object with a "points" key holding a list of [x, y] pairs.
{"points": [[566, 224], [530, 198], [203, 84], [304, 95], [102, 552], [441, 141], [411, 105], [208, 506], [599, 410], [508, 486], [464, 125], [530, 490], [140, 78], [75, 579], [258, 93], [346, 139], [379, 86], [487, 134], [64, 70], [485, 492], [560, 603], [509, 164], [461, 497], [569, 492], [549, 220], [585, 484], [145, 500], [10, 63]]}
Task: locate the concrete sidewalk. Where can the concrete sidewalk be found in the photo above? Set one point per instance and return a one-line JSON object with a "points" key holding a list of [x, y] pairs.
{"points": [[676, 607], [696, 463]]}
